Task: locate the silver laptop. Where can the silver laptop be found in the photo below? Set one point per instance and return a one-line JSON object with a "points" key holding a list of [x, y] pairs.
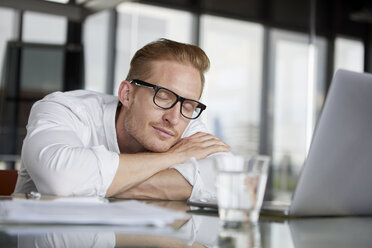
{"points": [[336, 179]]}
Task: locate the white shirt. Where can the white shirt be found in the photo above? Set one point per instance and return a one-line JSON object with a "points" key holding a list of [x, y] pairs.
{"points": [[71, 148]]}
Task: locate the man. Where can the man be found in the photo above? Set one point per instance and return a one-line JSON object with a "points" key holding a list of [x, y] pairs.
{"points": [[86, 143]]}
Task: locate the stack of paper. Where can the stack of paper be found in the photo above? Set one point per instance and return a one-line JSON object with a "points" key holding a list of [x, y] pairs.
{"points": [[86, 212]]}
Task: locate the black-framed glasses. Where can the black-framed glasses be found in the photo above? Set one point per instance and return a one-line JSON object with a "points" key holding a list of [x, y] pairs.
{"points": [[166, 99]]}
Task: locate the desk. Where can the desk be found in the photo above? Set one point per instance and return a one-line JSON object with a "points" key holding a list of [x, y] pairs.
{"points": [[202, 229]]}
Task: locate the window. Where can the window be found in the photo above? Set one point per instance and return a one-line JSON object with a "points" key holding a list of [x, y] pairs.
{"points": [[32, 68], [290, 94], [7, 18], [233, 84], [349, 54], [95, 38], [44, 28], [7, 27], [58, 1], [297, 93], [139, 24], [41, 71]]}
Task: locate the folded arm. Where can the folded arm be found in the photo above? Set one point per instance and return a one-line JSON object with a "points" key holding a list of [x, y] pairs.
{"points": [[165, 185], [148, 174], [195, 178]]}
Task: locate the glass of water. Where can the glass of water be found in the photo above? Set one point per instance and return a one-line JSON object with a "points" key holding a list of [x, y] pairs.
{"points": [[241, 184]]}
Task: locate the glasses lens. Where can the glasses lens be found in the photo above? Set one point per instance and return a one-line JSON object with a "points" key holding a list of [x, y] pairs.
{"points": [[191, 109], [165, 98]]}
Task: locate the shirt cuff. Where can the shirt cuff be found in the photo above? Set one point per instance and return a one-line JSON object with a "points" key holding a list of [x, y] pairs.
{"points": [[190, 171]]}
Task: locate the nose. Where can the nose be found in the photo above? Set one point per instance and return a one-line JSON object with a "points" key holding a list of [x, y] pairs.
{"points": [[173, 115]]}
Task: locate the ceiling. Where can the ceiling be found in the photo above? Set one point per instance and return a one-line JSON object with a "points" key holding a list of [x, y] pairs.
{"points": [[332, 16], [76, 11]]}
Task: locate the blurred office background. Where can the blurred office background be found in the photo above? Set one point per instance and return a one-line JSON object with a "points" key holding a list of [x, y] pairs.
{"points": [[272, 62]]}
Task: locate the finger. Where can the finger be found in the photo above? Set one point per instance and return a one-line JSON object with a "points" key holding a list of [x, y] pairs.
{"points": [[206, 151], [220, 147], [212, 140], [201, 137], [199, 134], [210, 145]]}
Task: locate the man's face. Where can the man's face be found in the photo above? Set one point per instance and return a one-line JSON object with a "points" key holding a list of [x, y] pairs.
{"points": [[152, 127]]}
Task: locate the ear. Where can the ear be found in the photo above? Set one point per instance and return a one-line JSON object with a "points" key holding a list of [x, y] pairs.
{"points": [[126, 93]]}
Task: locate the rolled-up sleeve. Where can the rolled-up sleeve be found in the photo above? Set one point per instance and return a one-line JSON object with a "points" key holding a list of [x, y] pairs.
{"points": [[57, 159], [201, 174]]}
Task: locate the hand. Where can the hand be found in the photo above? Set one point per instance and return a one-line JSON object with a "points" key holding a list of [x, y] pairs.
{"points": [[199, 145]]}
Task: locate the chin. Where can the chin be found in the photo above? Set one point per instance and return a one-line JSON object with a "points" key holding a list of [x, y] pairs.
{"points": [[160, 150], [160, 147]]}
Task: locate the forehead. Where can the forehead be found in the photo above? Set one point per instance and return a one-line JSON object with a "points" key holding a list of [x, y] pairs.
{"points": [[181, 78]]}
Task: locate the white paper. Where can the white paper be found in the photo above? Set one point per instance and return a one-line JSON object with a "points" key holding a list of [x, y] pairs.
{"points": [[86, 212]]}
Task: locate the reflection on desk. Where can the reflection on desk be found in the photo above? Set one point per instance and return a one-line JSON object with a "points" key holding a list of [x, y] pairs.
{"points": [[201, 230], [198, 231], [331, 232]]}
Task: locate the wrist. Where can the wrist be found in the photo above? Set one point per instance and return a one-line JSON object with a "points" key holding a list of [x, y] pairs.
{"points": [[175, 157]]}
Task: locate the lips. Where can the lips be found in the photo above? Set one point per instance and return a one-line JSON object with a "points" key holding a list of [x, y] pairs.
{"points": [[163, 132]]}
